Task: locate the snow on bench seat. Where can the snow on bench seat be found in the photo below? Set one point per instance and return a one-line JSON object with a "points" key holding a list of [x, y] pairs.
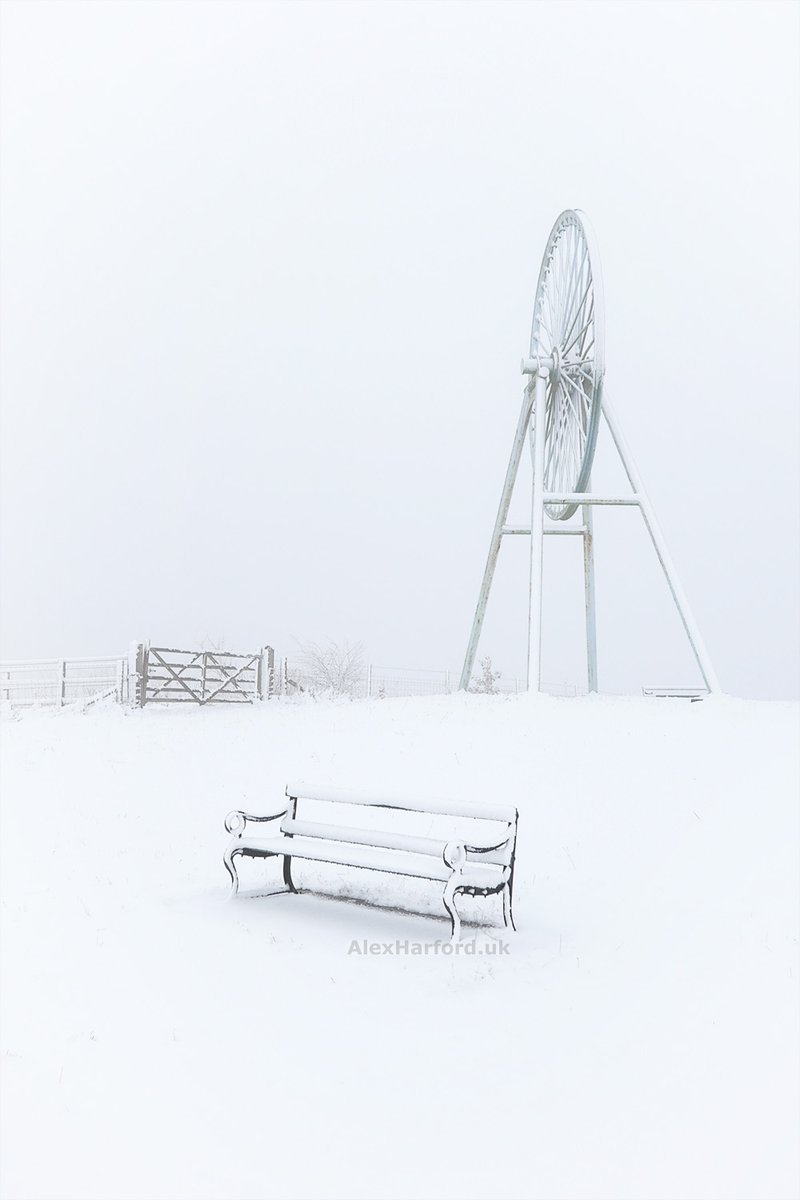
{"points": [[375, 858]]}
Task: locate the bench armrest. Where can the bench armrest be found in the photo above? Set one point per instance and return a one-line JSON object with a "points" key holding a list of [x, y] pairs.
{"points": [[455, 853], [236, 821], [487, 849]]}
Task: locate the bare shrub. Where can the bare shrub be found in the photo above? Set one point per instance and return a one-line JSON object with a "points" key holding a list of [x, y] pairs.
{"points": [[337, 669], [486, 682]]}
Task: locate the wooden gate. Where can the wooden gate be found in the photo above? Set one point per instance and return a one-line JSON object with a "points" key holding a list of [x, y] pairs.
{"points": [[202, 676]]}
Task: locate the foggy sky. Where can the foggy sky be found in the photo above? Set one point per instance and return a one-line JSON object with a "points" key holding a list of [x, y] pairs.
{"points": [[267, 276]]}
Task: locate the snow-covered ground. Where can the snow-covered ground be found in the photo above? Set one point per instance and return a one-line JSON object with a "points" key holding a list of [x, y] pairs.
{"points": [[639, 1040]]}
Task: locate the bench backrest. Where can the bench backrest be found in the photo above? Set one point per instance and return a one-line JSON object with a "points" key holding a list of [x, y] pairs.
{"points": [[437, 805], [502, 818]]}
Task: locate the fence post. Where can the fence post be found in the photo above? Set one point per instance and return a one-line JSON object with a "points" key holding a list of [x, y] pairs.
{"points": [[369, 681], [62, 682], [138, 656], [266, 673]]}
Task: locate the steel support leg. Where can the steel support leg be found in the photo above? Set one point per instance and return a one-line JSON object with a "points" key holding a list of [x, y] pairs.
{"points": [[588, 587], [537, 535], [494, 546], [667, 565]]}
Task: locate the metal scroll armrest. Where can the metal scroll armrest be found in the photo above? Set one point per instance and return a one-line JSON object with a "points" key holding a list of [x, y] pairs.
{"points": [[455, 856], [455, 853], [487, 849], [236, 821]]}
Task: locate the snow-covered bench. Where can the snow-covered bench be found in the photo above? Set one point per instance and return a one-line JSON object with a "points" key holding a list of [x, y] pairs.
{"points": [[476, 857]]}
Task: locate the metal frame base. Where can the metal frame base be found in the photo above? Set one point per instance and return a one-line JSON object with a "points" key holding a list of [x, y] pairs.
{"points": [[531, 424]]}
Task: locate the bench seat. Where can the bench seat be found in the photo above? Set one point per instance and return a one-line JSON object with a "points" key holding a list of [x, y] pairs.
{"points": [[376, 858]]}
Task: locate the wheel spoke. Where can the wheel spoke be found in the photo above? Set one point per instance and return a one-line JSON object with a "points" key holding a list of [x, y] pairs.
{"points": [[589, 322], [568, 368], [574, 289], [578, 312]]}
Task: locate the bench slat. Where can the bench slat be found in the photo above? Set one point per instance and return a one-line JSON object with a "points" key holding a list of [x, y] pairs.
{"points": [[437, 805], [365, 837], [395, 862], [386, 840]]}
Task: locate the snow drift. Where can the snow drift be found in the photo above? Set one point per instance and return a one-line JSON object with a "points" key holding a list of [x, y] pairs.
{"points": [[638, 1040]]}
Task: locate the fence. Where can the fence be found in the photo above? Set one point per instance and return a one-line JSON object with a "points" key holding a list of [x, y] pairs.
{"points": [[161, 675], [62, 681], [295, 676]]}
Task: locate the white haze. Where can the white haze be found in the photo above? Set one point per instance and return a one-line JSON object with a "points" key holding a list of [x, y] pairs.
{"points": [[268, 272]]}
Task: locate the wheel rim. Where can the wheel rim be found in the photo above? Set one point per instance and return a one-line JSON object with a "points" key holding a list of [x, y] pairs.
{"points": [[568, 326]]}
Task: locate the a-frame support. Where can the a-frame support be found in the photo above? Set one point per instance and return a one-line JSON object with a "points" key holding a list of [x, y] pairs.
{"points": [[532, 423]]}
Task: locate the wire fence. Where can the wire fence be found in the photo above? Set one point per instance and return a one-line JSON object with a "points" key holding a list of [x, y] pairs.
{"points": [[295, 677], [60, 681]]}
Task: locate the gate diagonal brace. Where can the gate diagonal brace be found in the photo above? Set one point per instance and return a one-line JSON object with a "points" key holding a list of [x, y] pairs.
{"points": [[175, 675], [232, 679]]}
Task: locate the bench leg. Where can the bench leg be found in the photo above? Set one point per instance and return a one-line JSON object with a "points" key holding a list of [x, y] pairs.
{"points": [[287, 873], [229, 859], [508, 915], [230, 866], [452, 911]]}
